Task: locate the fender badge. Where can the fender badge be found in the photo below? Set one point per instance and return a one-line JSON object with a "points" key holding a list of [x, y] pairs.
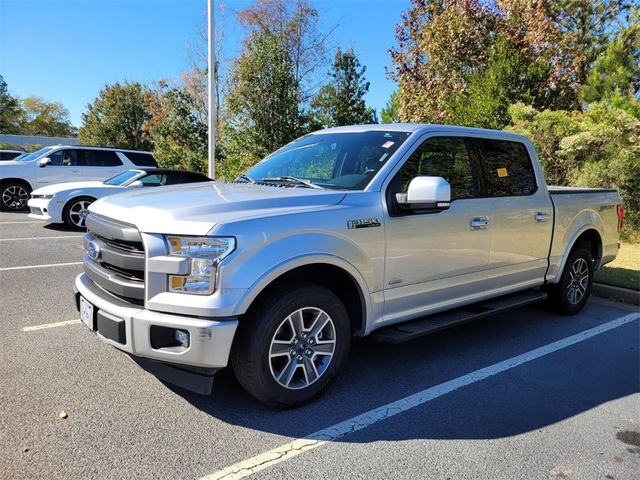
{"points": [[363, 223]]}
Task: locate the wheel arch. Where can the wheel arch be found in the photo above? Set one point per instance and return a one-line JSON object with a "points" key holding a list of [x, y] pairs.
{"points": [[590, 236], [69, 202], [332, 273]]}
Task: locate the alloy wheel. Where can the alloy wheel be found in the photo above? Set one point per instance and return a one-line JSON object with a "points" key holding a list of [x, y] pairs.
{"points": [[302, 348], [78, 212], [578, 281], [15, 197]]}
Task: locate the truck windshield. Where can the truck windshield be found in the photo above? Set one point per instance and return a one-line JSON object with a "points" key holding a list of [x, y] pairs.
{"points": [[34, 155], [345, 161]]}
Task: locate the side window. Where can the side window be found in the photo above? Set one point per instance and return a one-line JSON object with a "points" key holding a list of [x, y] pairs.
{"points": [[141, 159], [446, 157], [155, 180], [507, 168], [64, 158], [99, 158]]}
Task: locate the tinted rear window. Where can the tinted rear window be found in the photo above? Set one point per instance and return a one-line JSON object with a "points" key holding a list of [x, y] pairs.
{"points": [[9, 155], [141, 159], [98, 158], [507, 168]]}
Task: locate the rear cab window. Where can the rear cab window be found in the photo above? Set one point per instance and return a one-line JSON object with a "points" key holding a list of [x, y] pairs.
{"points": [[507, 168]]}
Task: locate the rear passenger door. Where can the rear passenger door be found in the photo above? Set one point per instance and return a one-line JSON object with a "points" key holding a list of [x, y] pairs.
{"points": [[521, 213], [99, 164]]}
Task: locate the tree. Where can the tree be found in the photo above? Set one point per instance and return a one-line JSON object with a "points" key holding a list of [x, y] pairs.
{"points": [[262, 107], [40, 117], [297, 24], [508, 77], [116, 118], [439, 43], [341, 101], [447, 48], [10, 111], [390, 112], [615, 75], [177, 127]]}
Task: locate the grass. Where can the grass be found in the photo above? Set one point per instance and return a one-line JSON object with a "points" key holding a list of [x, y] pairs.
{"points": [[624, 271]]}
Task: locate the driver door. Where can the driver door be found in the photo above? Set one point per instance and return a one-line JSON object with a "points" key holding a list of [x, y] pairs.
{"points": [[434, 260]]}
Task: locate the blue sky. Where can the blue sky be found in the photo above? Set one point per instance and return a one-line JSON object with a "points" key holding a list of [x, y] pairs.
{"points": [[66, 51]]}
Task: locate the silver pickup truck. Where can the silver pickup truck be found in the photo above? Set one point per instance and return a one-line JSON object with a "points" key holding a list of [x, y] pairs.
{"points": [[391, 230]]}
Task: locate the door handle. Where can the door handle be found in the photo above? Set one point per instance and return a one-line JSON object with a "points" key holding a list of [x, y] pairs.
{"points": [[479, 223], [542, 216]]}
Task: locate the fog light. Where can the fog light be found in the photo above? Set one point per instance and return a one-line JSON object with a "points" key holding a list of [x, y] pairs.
{"points": [[182, 338]]}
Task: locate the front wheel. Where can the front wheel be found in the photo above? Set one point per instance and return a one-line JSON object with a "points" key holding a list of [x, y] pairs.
{"points": [[14, 196], [570, 295], [76, 211], [289, 348]]}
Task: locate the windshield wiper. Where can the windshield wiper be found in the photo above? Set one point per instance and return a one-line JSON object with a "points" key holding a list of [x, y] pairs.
{"points": [[301, 181], [246, 177]]}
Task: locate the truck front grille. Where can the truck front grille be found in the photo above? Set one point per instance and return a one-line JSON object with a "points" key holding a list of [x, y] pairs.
{"points": [[115, 257]]}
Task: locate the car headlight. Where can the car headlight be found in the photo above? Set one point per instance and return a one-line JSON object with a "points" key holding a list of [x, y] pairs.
{"points": [[204, 254], [46, 197]]}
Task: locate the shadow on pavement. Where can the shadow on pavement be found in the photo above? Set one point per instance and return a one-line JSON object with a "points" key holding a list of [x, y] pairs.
{"points": [[531, 396]]}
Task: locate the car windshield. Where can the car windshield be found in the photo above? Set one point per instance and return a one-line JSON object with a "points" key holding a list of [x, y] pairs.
{"points": [[34, 155], [345, 161], [122, 178]]}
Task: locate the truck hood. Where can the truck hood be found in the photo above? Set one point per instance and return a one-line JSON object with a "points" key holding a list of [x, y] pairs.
{"points": [[195, 209]]}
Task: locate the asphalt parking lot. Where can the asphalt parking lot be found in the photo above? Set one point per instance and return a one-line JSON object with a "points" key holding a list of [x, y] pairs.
{"points": [[526, 394]]}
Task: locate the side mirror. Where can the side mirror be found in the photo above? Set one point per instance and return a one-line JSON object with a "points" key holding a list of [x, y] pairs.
{"points": [[425, 194], [137, 183], [43, 162]]}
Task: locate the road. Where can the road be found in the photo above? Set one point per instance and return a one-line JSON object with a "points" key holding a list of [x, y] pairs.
{"points": [[525, 394]]}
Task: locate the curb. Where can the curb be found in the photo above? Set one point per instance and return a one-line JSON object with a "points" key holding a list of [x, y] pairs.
{"points": [[616, 293]]}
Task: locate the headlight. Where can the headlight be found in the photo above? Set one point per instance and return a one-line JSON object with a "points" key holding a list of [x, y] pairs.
{"points": [[204, 253], [46, 197]]}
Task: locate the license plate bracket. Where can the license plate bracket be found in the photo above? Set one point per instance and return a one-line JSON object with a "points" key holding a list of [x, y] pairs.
{"points": [[87, 313]]}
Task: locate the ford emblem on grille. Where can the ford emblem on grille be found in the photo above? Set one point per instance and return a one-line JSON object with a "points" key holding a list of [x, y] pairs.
{"points": [[93, 250]]}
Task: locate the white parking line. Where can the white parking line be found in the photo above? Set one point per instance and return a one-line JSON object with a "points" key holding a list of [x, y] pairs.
{"points": [[26, 267], [289, 450], [10, 223], [39, 238], [50, 325]]}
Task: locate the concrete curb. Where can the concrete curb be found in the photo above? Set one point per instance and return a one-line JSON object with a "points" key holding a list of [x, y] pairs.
{"points": [[616, 293]]}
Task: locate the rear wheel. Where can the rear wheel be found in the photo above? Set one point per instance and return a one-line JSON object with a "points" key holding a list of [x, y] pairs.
{"points": [[289, 348], [14, 196], [570, 295], [76, 211]]}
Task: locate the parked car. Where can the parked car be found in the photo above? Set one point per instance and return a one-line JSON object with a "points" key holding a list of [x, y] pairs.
{"points": [[68, 202], [62, 163], [394, 231], [10, 154]]}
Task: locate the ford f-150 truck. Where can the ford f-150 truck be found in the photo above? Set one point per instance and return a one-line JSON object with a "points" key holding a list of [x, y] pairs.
{"points": [[390, 230]]}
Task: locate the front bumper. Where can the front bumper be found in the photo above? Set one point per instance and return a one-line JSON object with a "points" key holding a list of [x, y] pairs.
{"points": [[210, 339], [39, 209]]}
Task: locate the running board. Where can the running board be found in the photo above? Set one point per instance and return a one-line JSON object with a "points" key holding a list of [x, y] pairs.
{"points": [[402, 332]]}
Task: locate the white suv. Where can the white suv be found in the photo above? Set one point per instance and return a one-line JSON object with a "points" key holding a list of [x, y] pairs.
{"points": [[63, 163]]}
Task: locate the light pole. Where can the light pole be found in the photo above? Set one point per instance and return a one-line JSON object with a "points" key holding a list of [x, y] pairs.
{"points": [[211, 79]]}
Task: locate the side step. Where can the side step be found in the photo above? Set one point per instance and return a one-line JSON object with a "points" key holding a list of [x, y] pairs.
{"points": [[403, 332]]}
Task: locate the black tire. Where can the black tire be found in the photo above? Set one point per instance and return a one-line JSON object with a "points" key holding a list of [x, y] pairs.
{"points": [[562, 295], [250, 355], [69, 214], [14, 196]]}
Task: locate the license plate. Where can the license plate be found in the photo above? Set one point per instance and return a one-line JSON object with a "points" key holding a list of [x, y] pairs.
{"points": [[86, 313]]}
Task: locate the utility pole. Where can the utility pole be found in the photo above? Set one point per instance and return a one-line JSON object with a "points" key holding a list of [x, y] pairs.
{"points": [[211, 80]]}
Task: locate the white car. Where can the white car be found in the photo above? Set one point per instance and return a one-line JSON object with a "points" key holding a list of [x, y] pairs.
{"points": [[68, 202], [63, 163]]}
